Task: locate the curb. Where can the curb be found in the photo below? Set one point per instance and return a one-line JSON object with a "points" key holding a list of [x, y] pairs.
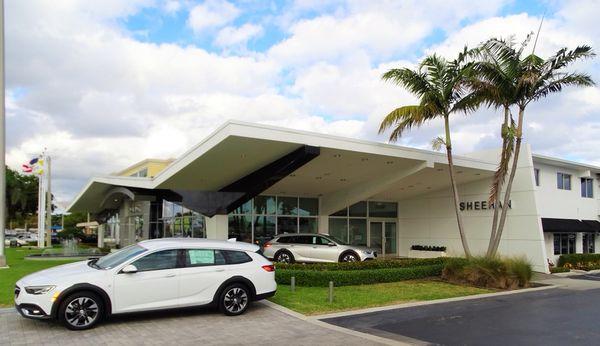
{"points": [[319, 323], [7, 310], [402, 306]]}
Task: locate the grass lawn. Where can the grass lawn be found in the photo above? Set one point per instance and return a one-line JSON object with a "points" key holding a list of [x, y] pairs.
{"points": [[19, 267], [314, 300]]}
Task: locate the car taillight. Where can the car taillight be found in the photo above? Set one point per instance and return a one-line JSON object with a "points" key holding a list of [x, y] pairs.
{"points": [[269, 268], [266, 245]]}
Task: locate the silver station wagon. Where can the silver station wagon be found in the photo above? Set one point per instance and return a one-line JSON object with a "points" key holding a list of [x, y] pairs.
{"points": [[309, 247]]}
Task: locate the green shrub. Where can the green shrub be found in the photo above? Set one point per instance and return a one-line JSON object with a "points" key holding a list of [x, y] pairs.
{"points": [[378, 264], [559, 270], [489, 272], [321, 278], [582, 261]]}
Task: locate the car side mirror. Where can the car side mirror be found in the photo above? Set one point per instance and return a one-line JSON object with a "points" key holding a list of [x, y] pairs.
{"points": [[129, 269], [331, 244]]}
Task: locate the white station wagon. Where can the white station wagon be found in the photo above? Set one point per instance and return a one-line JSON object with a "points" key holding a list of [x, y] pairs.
{"points": [[153, 274]]}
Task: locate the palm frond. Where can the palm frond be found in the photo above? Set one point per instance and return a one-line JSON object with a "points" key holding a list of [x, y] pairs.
{"points": [[405, 118]]}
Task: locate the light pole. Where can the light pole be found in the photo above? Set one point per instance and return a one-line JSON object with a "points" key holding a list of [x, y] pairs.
{"points": [[2, 142]]}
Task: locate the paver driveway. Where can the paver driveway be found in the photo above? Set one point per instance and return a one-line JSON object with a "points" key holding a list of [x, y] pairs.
{"points": [[260, 325]]}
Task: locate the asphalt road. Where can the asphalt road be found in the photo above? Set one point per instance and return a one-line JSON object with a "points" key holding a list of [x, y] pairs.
{"points": [[550, 317]]}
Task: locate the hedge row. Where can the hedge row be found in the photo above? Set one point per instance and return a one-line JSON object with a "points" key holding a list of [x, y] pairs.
{"points": [[321, 278], [575, 260], [559, 270], [379, 264]]}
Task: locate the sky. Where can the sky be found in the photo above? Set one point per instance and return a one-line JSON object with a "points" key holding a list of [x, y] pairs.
{"points": [[102, 84]]}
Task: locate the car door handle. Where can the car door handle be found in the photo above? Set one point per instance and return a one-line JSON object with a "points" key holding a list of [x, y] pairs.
{"points": [[170, 275], [219, 270]]}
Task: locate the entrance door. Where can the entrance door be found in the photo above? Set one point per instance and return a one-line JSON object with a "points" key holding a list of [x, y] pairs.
{"points": [[382, 237]]}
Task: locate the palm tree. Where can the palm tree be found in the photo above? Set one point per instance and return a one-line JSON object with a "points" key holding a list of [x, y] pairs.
{"points": [[494, 80], [439, 85], [533, 78]]}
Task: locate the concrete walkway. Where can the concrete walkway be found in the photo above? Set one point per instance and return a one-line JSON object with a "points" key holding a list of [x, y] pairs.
{"points": [[260, 325]]}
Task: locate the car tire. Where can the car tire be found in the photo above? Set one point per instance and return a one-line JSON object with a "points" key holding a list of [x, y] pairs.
{"points": [[349, 257], [234, 299], [284, 256], [81, 310]]}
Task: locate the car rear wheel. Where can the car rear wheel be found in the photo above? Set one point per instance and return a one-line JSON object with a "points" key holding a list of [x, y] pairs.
{"points": [[81, 310], [284, 257], [234, 300], [349, 257]]}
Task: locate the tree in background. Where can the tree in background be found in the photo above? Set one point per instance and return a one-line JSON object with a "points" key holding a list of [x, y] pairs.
{"points": [[21, 196]]}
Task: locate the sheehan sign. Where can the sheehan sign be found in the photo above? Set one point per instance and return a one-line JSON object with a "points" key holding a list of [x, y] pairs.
{"points": [[482, 205]]}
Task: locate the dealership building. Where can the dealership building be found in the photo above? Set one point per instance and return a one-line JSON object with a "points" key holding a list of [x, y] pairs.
{"points": [[251, 182]]}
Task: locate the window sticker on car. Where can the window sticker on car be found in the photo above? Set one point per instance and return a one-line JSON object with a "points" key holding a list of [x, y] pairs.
{"points": [[201, 256]]}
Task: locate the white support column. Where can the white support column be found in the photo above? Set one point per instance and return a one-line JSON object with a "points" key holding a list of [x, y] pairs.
{"points": [[323, 224], [101, 229], [217, 227], [579, 242]]}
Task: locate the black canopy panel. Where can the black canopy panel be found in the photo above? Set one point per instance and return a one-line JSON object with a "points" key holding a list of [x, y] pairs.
{"points": [[569, 225]]}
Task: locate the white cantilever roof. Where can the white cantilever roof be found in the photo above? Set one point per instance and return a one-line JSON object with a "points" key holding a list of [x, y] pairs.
{"points": [[236, 149]]}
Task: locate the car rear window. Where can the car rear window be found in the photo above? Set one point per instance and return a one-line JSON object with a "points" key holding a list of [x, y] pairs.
{"points": [[236, 257]]}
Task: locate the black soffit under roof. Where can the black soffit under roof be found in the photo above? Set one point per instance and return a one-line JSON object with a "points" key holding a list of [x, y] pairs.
{"points": [[569, 225], [232, 196]]}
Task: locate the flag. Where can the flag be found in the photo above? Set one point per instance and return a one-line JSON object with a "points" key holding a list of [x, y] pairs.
{"points": [[26, 168], [33, 161]]}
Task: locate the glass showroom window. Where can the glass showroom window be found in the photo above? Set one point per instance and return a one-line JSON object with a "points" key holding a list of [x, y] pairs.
{"points": [[350, 224], [563, 181], [564, 243], [587, 187], [260, 219], [177, 221]]}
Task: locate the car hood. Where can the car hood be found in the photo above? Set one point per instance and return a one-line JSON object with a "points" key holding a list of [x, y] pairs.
{"points": [[59, 274]]}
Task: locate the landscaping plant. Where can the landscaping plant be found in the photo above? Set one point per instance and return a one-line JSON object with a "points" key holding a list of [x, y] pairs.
{"points": [[501, 273]]}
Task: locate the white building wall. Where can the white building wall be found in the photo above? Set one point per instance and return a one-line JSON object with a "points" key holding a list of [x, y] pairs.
{"points": [[430, 219], [565, 204]]}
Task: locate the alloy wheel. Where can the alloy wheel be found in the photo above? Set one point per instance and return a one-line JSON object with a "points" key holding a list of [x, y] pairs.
{"points": [[349, 258], [284, 258], [81, 312], [235, 300]]}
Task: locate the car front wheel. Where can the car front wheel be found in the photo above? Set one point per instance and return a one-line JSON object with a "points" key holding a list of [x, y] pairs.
{"points": [[234, 300], [349, 257], [81, 310]]}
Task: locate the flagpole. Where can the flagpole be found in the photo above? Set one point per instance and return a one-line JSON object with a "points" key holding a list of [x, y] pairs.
{"points": [[48, 195], [40, 211], [2, 143]]}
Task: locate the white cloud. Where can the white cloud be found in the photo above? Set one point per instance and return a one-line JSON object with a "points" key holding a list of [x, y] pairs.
{"points": [[99, 99], [237, 36], [212, 13]]}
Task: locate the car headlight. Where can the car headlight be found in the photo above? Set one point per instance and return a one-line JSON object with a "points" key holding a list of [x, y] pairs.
{"points": [[39, 289], [367, 252]]}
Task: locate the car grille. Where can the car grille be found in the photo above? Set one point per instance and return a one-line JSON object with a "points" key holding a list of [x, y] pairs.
{"points": [[17, 291]]}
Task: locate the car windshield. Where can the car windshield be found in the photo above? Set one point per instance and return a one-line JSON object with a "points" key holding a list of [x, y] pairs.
{"points": [[116, 258], [336, 240]]}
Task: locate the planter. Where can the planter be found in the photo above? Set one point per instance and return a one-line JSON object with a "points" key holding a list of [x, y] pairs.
{"points": [[426, 254]]}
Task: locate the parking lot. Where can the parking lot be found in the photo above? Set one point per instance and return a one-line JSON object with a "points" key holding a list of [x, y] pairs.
{"points": [[557, 316], [260, 325]]}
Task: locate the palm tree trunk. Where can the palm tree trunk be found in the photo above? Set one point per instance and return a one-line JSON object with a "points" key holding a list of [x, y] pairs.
{"points": [[511, 178], [496, 196], [459, 220]]}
